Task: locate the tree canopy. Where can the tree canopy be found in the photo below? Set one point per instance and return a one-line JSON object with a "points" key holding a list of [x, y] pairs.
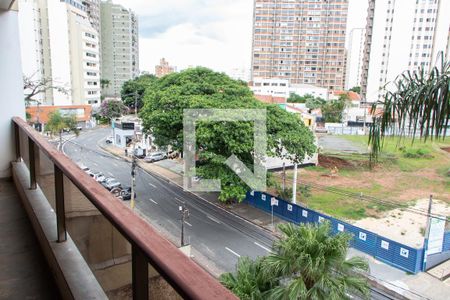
{"points": [[295, 98], [58, 122], [133, 90], [162, 115], [332, 111], [356, 89], [33, 87], [111, 109]]}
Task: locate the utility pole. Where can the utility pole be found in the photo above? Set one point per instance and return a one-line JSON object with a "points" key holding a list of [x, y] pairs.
{"points": [[135, 104], [133, 177], [294, 185], [427, 232], [184, 214], [284, 176]]}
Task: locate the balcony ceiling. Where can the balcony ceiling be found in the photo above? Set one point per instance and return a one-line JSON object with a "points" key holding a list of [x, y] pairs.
{"points": [[5, 4]]}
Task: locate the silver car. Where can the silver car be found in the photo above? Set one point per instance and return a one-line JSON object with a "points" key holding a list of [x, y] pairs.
{"points": [[111, 183], [155, 156]]}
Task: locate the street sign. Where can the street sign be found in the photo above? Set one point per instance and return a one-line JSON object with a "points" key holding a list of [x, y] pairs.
{"points": [[436, 235], [274, 201]]}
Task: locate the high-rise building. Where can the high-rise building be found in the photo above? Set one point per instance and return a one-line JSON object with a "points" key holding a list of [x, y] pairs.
{"points": [[120, 46], [300, 40], [93, 11], [355, 54], [61, 48], [402, 36], [163, 68]]}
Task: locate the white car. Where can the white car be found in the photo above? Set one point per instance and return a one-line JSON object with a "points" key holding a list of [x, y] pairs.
{"points": [[84, 168], [109, 140], [155, 156], [98, 176]]}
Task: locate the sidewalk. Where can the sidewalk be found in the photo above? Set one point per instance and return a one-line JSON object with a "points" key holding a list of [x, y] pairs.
{"points": [[419, 286]]}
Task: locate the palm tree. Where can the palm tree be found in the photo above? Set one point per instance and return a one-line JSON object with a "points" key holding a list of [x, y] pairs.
{"points": [[249, 282], [419, 103], [57, 123], [311, 264]]}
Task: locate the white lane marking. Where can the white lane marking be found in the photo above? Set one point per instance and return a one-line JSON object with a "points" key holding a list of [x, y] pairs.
{"points": [[264, 247], [151, 184], [188, 223], [115, 164], [153, 201], [179, 200], [95, 164], [237, 254], [110, 174], [213, 219]]}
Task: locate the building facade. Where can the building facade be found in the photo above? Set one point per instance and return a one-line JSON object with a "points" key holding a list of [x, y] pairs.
{"points": [[61, 48], [281, 89], [93, 12], [120, 46], [402, 36], [300, 40], [164, 68], [355, 54]]}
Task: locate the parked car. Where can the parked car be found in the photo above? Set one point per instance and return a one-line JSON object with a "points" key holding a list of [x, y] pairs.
{"points": [[111, 183], [155, 156], [125, 194], [98, 176], [109, 140], [83, 167]]}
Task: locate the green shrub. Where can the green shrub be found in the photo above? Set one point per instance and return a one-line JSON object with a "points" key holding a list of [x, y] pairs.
{"points": [[415, 153]]}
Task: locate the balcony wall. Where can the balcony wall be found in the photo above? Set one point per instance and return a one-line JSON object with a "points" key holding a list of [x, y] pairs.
{"points": [[11, 85], [94, 243]]}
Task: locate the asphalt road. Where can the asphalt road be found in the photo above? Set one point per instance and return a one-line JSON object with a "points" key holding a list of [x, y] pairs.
{"points": [[219, 236]]}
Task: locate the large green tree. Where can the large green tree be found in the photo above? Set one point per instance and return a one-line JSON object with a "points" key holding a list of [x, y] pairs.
{"points": [[133, 90], [162, 115]]}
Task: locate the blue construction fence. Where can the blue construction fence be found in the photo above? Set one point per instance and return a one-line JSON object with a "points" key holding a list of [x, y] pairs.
{"points": [[446, 244], [391, 252]]}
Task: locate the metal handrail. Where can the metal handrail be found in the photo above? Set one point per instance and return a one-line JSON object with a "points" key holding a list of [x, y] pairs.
{"points": [[148, 246]]}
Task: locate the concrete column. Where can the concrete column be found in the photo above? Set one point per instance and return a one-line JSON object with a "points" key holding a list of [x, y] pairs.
{"points": [[11, 86]]}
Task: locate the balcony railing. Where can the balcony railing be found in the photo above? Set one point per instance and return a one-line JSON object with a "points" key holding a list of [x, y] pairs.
{"points": [[65, 186]]}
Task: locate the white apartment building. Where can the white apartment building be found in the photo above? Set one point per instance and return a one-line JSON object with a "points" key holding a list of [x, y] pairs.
{"points": [[277, 87], [402, 35], [355, 54], [120, 46], [61, 45]]}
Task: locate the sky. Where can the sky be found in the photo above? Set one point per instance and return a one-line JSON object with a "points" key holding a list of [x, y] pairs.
{"points": [[215, 34]]}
